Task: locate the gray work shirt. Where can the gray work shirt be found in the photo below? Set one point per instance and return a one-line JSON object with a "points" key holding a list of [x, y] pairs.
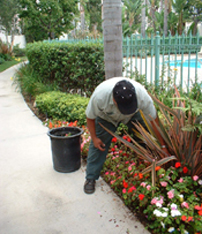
{"points": [[101, 102]]}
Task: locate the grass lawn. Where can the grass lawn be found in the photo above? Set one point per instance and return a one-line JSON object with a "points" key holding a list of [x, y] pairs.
{"points": [[8, 64]]}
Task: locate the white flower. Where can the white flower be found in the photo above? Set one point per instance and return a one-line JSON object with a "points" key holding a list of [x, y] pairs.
{"points": [[171, 229], [186, 232], [175, 213], [165, 208], [158, 213], [173, 206], [158, 204], [200, 182]]}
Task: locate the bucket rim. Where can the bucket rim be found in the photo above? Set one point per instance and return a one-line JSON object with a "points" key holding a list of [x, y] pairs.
{"points": [[49, 133]]}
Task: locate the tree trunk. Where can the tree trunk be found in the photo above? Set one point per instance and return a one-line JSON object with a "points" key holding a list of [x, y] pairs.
{"points": [[82, 15], [165, 28], [112, 31]]}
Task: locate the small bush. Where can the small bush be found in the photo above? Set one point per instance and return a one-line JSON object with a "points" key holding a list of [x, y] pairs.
{"points": [[63, 106]]}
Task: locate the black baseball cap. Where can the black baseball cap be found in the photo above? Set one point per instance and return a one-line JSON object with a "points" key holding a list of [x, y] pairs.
{"points": [[125, 96]]}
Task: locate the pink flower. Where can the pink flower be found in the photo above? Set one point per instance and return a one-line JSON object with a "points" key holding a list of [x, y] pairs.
{"points": [[107, 173], [131, 189], [185, 204], [180, 180], [154, 201], [170, 194], [129, 168], [148, 187], [124, 190], [112, 182], [163, 183], [195, 178], [157, 201], [143, 184]]}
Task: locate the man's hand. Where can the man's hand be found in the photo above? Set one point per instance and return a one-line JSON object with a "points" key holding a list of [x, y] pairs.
{"points": [[96, 141], [98, 144]]}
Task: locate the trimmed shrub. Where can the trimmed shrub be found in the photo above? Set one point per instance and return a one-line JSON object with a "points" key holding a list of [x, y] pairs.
{"points": [[71, 66], [62, 106]]}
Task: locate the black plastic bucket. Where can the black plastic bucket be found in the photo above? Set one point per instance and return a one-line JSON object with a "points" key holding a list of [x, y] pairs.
{"points": [[66, 150]]}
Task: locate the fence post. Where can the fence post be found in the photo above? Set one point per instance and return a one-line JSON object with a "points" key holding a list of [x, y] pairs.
{"points": [[157, 55]]}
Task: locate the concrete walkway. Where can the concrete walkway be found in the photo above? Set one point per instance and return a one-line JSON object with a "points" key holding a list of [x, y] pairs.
{"points": [[35, 199]]}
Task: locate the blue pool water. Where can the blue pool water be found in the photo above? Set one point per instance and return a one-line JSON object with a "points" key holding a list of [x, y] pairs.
{"points": [[177, 63]]}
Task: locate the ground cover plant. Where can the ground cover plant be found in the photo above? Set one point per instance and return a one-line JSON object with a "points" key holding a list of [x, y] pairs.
{"points": [[171, 195]]}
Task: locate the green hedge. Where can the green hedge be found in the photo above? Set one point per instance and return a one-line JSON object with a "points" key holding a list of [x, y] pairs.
{"points": [[71, 66], [62, 106]]}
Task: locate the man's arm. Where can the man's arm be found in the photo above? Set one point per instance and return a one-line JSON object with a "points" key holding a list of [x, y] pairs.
{"points": [[96, 141]]}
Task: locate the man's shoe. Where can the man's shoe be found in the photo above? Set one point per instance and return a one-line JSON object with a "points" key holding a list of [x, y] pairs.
{"points": [[89, 186]]}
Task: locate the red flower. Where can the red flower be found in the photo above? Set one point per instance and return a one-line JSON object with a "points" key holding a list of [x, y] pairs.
{"points": [[177, 164], [125, 184], [112, 149], [114, 139], [140, 175], [157, 168], [200, 212], [185, 170], [128, 139], [135, 174], [50, 125], [75, 123], [198, 207], [131, 189], [190, 219], [183, 218], [141, 196], [125, 137]]}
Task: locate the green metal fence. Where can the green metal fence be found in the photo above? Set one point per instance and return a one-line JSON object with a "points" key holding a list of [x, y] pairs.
{"points": [[164, 58], [174, 58]]}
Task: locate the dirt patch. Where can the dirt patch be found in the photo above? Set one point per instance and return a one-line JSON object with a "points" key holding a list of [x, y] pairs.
{"points": [[32, 105]]}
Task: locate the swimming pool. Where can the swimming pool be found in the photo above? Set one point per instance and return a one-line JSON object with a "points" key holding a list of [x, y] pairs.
{"points": [[177, 63]]}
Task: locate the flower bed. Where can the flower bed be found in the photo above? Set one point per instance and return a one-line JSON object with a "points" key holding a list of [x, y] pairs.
{"points": [[173, 205]]}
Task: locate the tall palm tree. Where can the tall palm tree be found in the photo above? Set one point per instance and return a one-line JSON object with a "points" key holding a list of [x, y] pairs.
{"points": [[112, 32], [182, 13]]}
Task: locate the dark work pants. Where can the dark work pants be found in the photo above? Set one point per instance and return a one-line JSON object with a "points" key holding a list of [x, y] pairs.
{"points": [[96, 158]]}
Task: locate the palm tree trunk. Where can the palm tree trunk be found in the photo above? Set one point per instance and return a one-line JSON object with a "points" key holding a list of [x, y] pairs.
{"points": [[112, 31], [165, 29], [82, 15]]}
